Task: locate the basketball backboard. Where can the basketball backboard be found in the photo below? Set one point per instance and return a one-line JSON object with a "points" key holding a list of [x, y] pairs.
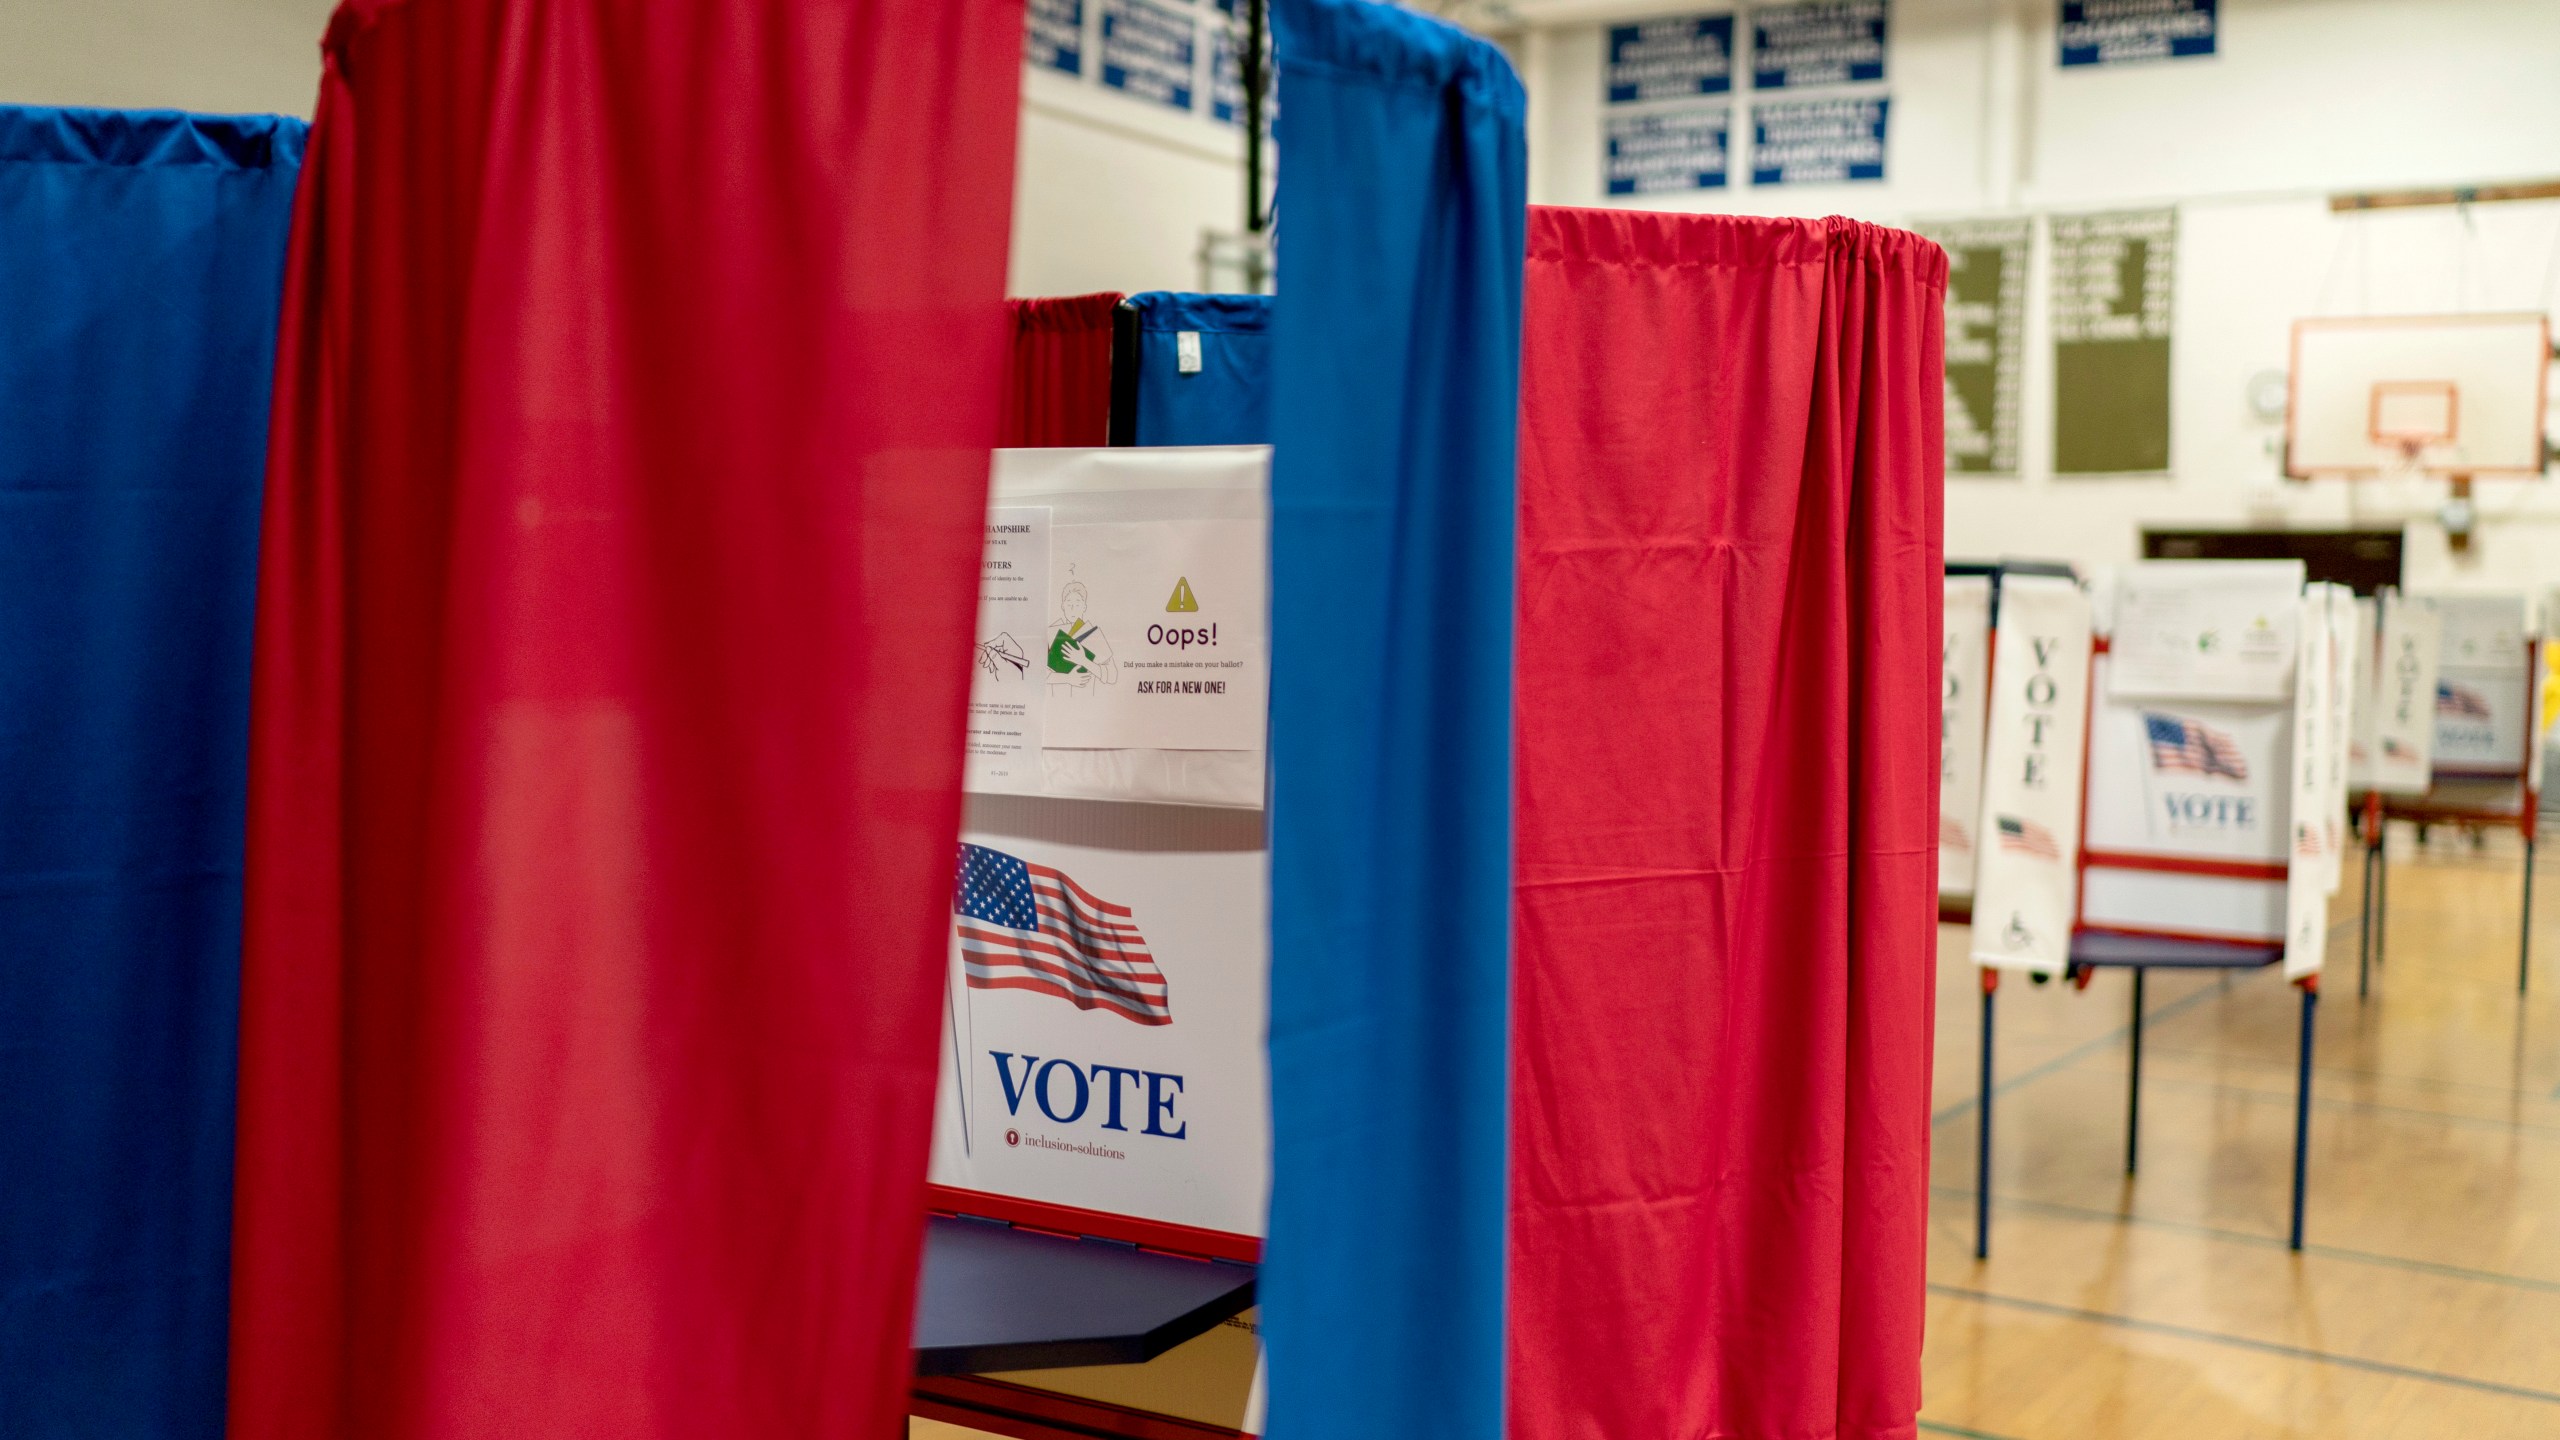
{"points": [[2408, 394]]}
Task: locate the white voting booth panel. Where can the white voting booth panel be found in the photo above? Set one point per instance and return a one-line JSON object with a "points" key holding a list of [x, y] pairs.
{"points": [[2319, 771], [2540, 723], [2486, 695], [1158, 1110], [2024, 895], [1965, 710], [2346, 676], [2181, 781], [2395, 724], [1105, 1008], [2448, 394]]}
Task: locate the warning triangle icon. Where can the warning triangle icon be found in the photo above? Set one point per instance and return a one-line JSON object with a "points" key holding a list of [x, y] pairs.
{"points": [[1182, 599]]}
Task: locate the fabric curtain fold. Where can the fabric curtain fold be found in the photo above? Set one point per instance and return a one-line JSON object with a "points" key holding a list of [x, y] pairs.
{"points": [[638, 376], [143, 256], [1730, 583], [1058, 387], [1396, 424], [1224, 398]]}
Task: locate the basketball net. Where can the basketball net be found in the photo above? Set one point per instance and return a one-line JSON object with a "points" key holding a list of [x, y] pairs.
{"points": [[2404, 464]]}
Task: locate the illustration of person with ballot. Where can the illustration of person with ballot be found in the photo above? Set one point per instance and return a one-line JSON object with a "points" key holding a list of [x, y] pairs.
{"points": [[1078, 653]]}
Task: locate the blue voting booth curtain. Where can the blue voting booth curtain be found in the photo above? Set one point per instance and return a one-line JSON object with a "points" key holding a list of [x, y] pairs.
{"points": [[1227, 401], [1403, 211], [138, 297]]}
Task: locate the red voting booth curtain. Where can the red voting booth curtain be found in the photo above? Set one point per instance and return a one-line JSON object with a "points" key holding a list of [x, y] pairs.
{"points": [[1727, 793], [638, 373], [1058, 391]]}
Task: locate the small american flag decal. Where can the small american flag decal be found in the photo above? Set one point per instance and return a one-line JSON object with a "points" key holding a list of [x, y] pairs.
{"points": [[2193, 747], [2462, 701], [2028, 838], [1028, 927]]}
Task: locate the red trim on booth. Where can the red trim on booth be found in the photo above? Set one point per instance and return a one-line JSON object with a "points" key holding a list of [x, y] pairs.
{"points": [[2165, 932], [2178, 865], [1021, 1412], [1189, 1241]]}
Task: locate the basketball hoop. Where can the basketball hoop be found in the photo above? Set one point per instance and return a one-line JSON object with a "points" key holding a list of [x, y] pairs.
{"points": [[2417, 396]]}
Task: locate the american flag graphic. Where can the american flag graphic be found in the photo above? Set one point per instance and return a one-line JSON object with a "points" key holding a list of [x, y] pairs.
{"points": [[2028, 837], [1028, 927], [2463, 701], [1952, 836], [2187, 745], [2307, 840]]}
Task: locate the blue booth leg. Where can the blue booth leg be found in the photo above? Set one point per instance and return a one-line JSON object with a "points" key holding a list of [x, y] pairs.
{"points": [[2302, 1104], [2133, 1083], [1982, 1130]]}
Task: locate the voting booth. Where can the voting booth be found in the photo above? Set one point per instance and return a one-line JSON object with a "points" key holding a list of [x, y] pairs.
{"points": [[2474, 756], [2165, 783], [1971, 619], [1102, 1145]]}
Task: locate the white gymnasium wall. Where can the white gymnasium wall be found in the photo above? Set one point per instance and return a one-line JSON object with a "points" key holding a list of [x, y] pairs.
{"points": [[2305, 97], [226, 56], [1111, 193]]}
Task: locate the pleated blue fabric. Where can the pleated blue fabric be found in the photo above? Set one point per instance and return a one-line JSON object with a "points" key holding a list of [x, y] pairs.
{"points": [[143, 258], [1402, 210], [1227, 400]]}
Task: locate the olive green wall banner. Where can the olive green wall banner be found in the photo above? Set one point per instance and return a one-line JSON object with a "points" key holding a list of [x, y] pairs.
{"points": [[2113, 277], [1986, 340]]}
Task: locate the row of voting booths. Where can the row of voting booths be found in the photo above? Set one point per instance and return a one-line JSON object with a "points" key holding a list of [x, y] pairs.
{"points": [[1102, 1141], [2450, 733], [2165, 766]]}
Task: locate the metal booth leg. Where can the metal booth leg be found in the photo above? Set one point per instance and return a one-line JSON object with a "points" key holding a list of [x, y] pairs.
{"points": [[2364, 931], [2524, 947], [1982, 1129], [2133, 1082], [2381, 897], [2302, 1101]]}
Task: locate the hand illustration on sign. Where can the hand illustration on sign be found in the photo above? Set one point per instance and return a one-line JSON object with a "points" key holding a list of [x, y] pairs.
{"points": [[994, 655], [1078, 653]]}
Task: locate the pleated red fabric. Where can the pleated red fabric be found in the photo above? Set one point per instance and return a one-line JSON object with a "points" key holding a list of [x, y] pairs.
{"points": [[639, 368], [1058, 391], [1730, 557]]}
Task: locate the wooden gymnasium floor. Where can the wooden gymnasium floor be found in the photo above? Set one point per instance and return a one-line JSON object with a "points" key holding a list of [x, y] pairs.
{"points": [[2166, 1307]]}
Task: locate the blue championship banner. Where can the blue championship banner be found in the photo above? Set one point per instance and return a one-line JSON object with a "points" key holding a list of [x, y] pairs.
{"points": [[1823, 42], [1685, 149], [2117, 32], [1147, 51], [1670, 59], [1055, 37], [1818, 142]]}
